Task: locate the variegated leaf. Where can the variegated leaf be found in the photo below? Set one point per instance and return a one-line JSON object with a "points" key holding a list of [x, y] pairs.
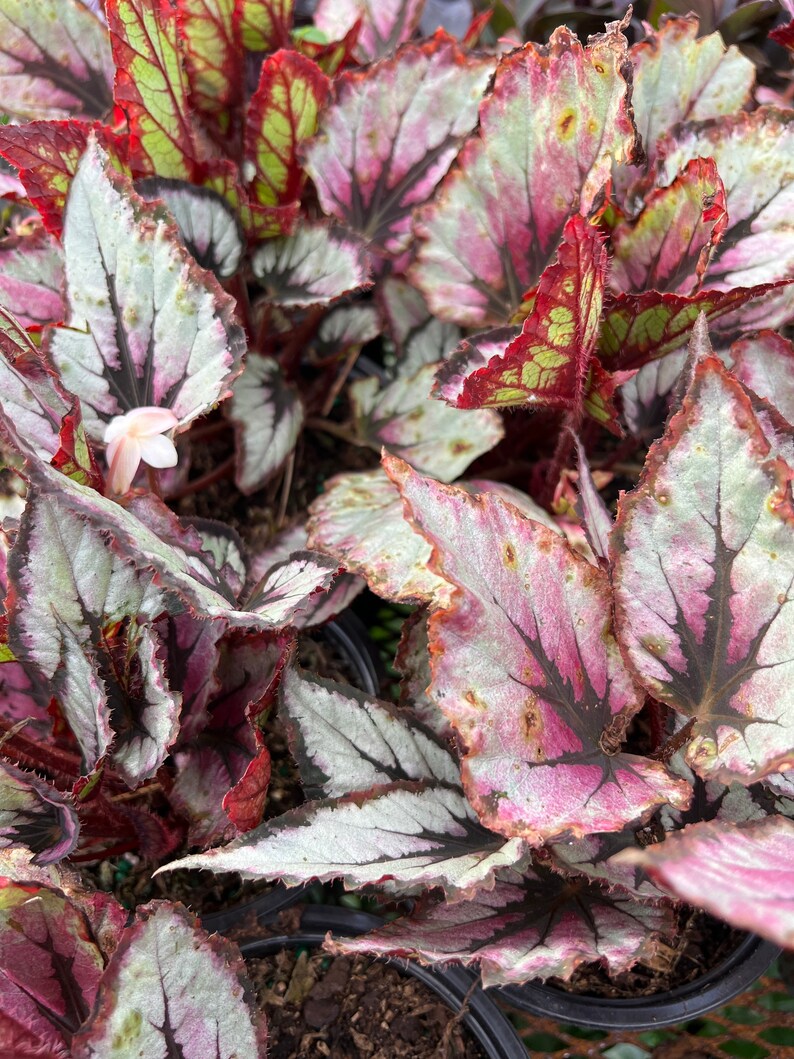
{"points": [[213, 53], [289, 588], [266, 24], [147, 326], [151, 87], [206, 222], [556, 120], [346, 742], [282, 114], [402, 418], [754, 154], [83, 629], [596, 519], [703, 573], [383, 23], [526, 667], [669, 245], [593, 857], [412, 662], [55, 60], [31, 278], [738, 872], [407, 835], [538, 926], [679, 76], [420, 338], [33, 814], [170, 986], [312, 267], [765, 363], [548, 361], [268, 417], [391, 134]]}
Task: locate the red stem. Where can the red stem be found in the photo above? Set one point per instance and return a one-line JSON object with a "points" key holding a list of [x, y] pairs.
{"points": [[221, 471]]}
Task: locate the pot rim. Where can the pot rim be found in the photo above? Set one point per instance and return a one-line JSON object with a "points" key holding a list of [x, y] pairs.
{"points": [[488, 1025]]}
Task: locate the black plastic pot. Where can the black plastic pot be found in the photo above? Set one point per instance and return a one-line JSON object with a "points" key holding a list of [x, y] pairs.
{"points": [[482, 1018], [726, 981]]}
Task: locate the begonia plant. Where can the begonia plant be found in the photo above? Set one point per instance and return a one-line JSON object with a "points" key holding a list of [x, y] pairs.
{"points": [[225, 221]]}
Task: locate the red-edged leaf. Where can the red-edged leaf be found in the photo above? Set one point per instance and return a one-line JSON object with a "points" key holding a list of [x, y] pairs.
{"points": [[170, 986], [754, 154], [54, 60], [390, 135], [739, 872], [679, 76], [500, 213], [330, 56], [151, 87], [548, 361], [75, 457], [36, 816], [383, 23], [765, 363], [282, 113], [147, 326], [526, 668], [31, 278], [639, 328], [212, 46], [669, 245], [703, 572], [784, 35], [266, 24], [245, 802], [47, 153], [536, 926]]}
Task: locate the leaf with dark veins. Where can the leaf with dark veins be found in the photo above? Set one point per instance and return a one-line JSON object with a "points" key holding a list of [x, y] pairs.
{"points": [[526, 667], [312, 267], [35, 815], [172, 989], [383, 23], [703, 573]]}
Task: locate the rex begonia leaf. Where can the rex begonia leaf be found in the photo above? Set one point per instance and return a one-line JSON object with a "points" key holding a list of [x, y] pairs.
{"points": [[266, 24], [147, 326], [680, 77], [390, 135], [282, 114], [50, 968], [639, 328], [739, 872], [420, 338], [407, 834], [359, 520], [703, 563], [213, 51], [268, 416], [412, 663], [171, 988], [538, 926], [225, 549], [403, 418], [82, 628], [191, 651], [346, 741], [151, 87], [311, 267], [526, 667], [593, 856], [47, 154], [55, 60], [206, 222], [31, 278], [595, 517], [35, 815], [667, 248], [548, 361], [764, 362], [754, 154], [554, 122], [290, 586], [383, 23]]}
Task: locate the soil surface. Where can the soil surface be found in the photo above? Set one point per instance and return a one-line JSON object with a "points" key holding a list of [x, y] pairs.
{"points": [[350, 1007]]}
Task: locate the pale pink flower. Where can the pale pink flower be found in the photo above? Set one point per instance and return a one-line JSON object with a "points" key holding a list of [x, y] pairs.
{"points": [[135, 436]]}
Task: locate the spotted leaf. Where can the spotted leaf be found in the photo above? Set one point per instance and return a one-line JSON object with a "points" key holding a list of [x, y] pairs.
{"points": [[526, 668], [146, 326], [55, 60], [390, 135], [536, 926], [554, 122], [703, 572], [36, 816], [191, 986]]}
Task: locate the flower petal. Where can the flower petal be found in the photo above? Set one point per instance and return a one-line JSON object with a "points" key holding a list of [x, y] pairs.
{"points": [[124, 463], [115, 429], [148, 420], [158, 451]]}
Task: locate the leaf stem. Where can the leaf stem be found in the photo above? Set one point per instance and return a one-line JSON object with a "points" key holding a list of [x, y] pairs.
{"points": [[216, 475]]}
